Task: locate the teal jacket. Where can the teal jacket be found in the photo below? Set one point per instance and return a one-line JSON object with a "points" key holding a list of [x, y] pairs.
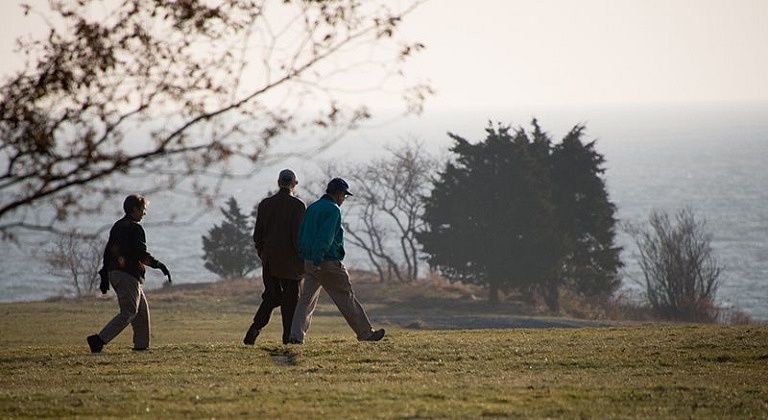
{"points": [[321, 236]]}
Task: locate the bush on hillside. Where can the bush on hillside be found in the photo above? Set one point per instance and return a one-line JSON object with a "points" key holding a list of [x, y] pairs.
{"points": [[228, 247], [679, 267]]}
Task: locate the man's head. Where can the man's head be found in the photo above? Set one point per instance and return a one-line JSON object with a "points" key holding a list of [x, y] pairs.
{"points": [[287, 179], [338, 189], [135, 206]]}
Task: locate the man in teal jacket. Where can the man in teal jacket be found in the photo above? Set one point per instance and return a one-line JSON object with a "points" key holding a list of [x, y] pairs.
{"points": [[321, 245]]}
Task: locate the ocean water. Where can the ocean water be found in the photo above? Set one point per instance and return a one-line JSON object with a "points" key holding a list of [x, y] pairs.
{"points": [[712, 161], [711, 158]]}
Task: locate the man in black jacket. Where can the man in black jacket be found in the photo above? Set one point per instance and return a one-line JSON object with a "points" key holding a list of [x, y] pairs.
{"points": [[125, 258], [275, 236]]}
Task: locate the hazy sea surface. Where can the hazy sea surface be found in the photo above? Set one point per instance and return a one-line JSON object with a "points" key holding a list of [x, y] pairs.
{"points": [[709, 157]]}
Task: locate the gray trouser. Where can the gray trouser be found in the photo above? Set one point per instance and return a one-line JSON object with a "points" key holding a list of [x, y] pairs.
{"points": [[334, 278], [133, 310]]}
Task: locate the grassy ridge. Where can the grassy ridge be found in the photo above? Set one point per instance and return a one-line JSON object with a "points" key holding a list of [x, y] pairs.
{"points": [[198, 367]]}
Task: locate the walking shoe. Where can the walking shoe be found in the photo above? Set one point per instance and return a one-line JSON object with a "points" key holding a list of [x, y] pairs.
{"points": [[95, 343], [250, 336], [376, 335], [295, 341], [140, 348]]}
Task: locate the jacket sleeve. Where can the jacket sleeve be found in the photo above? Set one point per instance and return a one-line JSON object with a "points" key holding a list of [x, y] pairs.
{"points": [[325, 235], [107, 253], [258, 229], [139, 245], [298, 217]]}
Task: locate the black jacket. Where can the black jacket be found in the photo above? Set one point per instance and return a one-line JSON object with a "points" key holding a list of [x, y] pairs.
{"points": [[126, 249], [276, 233]]}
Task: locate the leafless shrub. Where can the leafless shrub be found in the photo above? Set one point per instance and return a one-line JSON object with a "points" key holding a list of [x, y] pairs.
{"points": [[75, 259], [679, 267], [386, 213]]}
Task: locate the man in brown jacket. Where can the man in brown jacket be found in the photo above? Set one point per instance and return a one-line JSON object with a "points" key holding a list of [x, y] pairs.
{"points": [[275, 235]]}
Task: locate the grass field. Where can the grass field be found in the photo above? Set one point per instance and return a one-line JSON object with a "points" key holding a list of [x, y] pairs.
{"points": [[198, 367]]}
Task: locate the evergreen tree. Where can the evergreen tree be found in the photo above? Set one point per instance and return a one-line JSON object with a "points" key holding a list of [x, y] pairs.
{"points": [[489, 216], [228, 248], [516, 213], [585, 216]]}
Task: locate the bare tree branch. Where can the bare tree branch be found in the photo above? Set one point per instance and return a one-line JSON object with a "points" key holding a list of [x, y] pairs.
{"points": [[680, 270], [385, 214], [168, 91]]}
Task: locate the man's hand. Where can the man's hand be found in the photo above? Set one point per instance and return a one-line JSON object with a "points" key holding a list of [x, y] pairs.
{"points": [[165, 271], [104, 285]]}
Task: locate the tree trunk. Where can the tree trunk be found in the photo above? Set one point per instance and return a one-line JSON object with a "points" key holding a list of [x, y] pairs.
{"points": [[493, 294], [552, 297]]}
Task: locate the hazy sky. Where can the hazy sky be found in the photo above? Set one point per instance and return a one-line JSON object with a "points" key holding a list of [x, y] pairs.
{"points": [[518, 52], [576, 51]]}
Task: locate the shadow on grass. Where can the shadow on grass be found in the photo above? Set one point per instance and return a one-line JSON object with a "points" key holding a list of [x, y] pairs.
{"points": [[283, 356], [446, 313]]}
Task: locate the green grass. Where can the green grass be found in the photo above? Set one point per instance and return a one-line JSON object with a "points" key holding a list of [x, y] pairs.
{"points": [[199, 368]]}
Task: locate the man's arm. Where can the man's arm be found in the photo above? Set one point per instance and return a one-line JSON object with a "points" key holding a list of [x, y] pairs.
{"points": [[298, 218], [103, 276], [258, 229], [139, 244], [325, 235]]}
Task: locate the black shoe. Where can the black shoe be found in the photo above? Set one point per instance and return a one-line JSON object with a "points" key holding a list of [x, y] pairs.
{"points": [[95, 343], [140, 348], [250, 336], [294, 341], [376, 335]]}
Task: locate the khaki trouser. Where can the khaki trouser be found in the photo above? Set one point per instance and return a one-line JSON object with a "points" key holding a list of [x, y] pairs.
{"points": [[133, 310], [334, 278]]}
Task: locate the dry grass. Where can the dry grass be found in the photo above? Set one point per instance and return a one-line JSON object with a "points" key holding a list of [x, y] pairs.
{"points": [[199, 368]]}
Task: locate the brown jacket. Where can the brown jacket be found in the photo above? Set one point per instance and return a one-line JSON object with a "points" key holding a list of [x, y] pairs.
{"points": [[276, 234]]}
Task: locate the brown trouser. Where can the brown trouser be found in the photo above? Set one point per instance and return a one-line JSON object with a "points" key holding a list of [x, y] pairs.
{"points": [[334, 278], [133, 310]]}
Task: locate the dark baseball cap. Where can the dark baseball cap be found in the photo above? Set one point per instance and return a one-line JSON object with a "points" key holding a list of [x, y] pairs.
{"points": [[286, 175], [338, 184]]}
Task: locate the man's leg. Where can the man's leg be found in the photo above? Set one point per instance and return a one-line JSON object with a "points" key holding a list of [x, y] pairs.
{"points": [[288, 307], [127, 290], [335, 281], [305, 307], [140, 324], [270, 299]]}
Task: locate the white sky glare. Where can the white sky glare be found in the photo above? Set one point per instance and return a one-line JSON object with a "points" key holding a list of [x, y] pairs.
{"points": [[503, 52], [564, 52]]}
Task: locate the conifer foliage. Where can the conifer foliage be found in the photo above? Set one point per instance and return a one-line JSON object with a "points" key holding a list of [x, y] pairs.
{"points": [[519, 214], [228, 247], [585, 217]]}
